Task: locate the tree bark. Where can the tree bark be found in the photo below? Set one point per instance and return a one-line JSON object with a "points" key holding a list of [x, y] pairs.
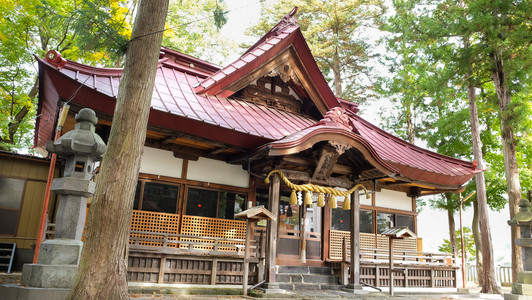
{"points": [[337, 75], [489, 283], [513, 186], [103, 266], [475, 229], [452, 227]]}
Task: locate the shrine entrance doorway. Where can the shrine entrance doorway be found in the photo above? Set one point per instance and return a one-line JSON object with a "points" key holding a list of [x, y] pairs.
{"points": [[300, 233]]}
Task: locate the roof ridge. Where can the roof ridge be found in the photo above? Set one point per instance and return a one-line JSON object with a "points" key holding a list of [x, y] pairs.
{"points": [[288, 20]]}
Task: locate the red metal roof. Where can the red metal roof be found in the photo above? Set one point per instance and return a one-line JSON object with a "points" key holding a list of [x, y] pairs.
{"points": [[178, 103], [413, 161], [285, 35], [173, 93]]}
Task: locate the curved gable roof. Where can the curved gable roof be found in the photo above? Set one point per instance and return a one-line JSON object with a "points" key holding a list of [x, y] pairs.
{"points": [[180, 104], [284, 45]]}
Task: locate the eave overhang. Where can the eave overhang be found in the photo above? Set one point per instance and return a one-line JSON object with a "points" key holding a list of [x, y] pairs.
{"points": [[307, 138]]}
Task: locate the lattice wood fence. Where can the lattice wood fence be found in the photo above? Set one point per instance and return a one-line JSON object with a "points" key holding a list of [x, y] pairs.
{"points": [[367, 240], [212, 227], [156, 222], [153, 222]]}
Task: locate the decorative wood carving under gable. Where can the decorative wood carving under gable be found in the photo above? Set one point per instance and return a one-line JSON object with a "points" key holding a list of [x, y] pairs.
{"points": [[273, 91]]}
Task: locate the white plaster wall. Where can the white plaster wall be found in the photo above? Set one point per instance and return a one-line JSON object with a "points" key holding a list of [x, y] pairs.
{"points": [[215, 171], [160, 162], [393, 199], [363, 200]]}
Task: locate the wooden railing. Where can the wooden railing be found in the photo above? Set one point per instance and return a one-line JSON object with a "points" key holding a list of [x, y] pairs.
{"points": [[155, 242], [414, 269], [178, 258], [367, 241], [503, 274], [200, 250]]}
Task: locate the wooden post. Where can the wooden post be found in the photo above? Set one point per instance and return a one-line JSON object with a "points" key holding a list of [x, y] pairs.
{"points": [[249, 237], [390, 274], [261, 255], [344, 275], [303, 250], [271, 256], [214, 269], [162, 266], [355, 240]]}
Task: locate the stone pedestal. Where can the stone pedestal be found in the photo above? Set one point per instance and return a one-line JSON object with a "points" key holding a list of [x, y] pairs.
{"points": [[354, 288], [272, 288], [55, 271], [57, 265], [523, 288]]}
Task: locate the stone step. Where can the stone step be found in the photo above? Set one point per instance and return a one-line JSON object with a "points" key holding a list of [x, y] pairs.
{"points": [[304, 270], [309, 287], [307, 278]]}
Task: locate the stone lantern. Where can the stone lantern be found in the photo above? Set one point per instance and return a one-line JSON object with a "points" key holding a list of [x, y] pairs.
{"points": [[523, 288], [80, 148]]}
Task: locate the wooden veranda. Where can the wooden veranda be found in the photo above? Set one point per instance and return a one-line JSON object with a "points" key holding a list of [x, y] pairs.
{"points": [[168, 248]]}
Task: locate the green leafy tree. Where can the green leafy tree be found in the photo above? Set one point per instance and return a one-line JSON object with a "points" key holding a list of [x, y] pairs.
{"points": [[92, 31], [193, 28], [334, 31], [469, 244], [478, 45]]}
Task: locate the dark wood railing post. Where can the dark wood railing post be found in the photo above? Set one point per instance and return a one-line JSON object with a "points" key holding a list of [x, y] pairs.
{"points": [[162, 267], [214, 270], [344, 264]]}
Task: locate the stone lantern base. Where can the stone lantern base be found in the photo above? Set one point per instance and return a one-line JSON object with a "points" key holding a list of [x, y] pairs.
{"points": [[57, 265], [523, 288]]}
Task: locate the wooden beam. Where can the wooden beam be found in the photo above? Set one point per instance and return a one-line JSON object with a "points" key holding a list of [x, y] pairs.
{"points": [[299, 161], [305, 177], [326, 163]]}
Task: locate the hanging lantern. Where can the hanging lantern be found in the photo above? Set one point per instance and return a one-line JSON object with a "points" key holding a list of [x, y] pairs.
{"points": [[332, 201], [293, 198], [321, 200], [308, 198], [347, 203]]}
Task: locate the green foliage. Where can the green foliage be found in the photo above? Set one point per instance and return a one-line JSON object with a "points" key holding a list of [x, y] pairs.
{"points": [[334, 31], [94, 32], [441, 47], [88, 31], [193, 28], [469, 244]]}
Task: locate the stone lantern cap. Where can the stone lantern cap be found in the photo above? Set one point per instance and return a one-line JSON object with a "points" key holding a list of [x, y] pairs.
{"points": [[83, 140], [524, 216]]}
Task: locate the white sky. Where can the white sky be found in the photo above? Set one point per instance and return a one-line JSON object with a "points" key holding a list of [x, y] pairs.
{"points": [[432, 224]]}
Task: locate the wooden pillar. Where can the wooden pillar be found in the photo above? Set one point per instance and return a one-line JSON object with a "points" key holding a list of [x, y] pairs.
{"points": [[390, 274], [249, 237], [355, 239], [275, 185]]}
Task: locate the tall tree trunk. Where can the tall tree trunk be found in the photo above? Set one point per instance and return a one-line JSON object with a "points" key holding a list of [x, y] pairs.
{"points": [[337, 75], [475, 229], [452, 227], [489, 283], [513, 186], [103, 265]]}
